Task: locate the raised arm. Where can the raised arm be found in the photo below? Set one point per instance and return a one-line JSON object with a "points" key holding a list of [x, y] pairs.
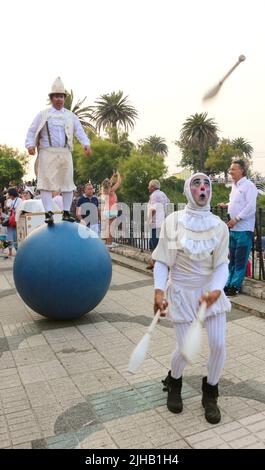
{"points": [[118, 182]]}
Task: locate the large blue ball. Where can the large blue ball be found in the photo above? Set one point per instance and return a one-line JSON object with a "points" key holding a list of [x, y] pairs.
{"points": [[62, 271]]}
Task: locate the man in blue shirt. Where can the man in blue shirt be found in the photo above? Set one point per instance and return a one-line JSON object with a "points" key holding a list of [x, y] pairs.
{"points": [[87, 210]]}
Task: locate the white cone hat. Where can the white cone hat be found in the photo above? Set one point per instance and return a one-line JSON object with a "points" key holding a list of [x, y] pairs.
{"points": [[57, 87]]}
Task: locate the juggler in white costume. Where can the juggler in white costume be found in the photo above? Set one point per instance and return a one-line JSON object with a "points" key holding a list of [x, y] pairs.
{"points": [[193, 244]]}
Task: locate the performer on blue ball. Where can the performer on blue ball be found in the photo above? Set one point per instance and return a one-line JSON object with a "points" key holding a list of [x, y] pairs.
{"points": [[52, 134]]}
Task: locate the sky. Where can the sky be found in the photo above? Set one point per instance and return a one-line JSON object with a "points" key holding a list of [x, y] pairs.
{"points": [[163, 54]]}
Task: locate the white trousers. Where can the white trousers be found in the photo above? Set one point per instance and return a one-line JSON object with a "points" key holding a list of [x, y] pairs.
{"points": [[46, 197], [216, 331]]}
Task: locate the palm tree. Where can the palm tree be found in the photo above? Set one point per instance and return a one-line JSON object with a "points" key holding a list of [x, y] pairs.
{"points": [[199, 133], [114, 110], [244, 147], [84, 114], [156, 144]]}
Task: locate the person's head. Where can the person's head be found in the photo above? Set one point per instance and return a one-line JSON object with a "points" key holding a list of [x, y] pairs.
{"points": [[12, 193], [57, 100], [27, 195], [106, 186], [238, 169], [198, 191], [57, 94], [89, 190], [153, 186]]}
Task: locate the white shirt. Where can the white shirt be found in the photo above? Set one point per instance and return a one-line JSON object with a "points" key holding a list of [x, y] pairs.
{"points": [[190, 277], [56, 128], [13, 203], [158, 201], [242, 203]]}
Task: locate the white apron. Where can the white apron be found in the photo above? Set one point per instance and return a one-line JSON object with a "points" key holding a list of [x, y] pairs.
{"points": [[54, 169]]}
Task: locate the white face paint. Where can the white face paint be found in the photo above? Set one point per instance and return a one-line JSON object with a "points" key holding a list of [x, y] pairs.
{"points": [[200, 189]]}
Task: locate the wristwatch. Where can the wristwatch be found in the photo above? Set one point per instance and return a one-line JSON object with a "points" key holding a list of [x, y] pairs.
{"points": [[237, 218]]}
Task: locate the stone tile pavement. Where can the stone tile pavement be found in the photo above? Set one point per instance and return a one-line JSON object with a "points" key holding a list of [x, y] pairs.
{"points": [[66, 385]]}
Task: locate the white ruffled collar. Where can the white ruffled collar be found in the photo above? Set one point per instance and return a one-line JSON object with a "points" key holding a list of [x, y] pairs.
{"points": [[199, 237], [198, 221]]}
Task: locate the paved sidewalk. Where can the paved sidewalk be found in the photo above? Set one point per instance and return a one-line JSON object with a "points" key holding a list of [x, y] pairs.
{"points": [[66, 385]]}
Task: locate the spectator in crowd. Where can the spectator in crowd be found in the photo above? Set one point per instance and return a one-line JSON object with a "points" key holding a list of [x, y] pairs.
{"points": [[108, 206], [87, 210], [242, 210], [155, 214], [12, 203], [2, 202], [52, 132], [37, 194], [26, 195], [3, 230], [77, 194]]}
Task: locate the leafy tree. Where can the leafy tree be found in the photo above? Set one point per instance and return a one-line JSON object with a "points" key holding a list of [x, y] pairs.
{"points": [[243, 147], [220, 193], [113, 110], [126, 144], [120, 137], [173, 188], [220, 158], [155, 145], [136, 173], [190, 157], [84, 113], [104, 159], [198, 133], [261, 205], [11, 168]]}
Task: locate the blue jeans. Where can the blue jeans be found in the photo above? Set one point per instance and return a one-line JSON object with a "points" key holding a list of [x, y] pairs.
{"points": [[155, 238], [240, 244], [12, 236]]}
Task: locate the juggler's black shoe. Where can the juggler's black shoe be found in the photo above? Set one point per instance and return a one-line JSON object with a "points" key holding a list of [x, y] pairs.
{"points": [[67, 217], [49, 218]]}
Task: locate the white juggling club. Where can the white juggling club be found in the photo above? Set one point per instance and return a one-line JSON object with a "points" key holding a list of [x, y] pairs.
{"points": [[141, 349], [213, 91], [192, 342]]}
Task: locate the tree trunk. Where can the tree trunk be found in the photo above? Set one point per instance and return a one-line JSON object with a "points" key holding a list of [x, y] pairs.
{"points": [[115, 137], [202, 155]]}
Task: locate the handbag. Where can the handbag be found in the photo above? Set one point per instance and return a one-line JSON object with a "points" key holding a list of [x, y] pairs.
{"points": [[12, 219]]}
